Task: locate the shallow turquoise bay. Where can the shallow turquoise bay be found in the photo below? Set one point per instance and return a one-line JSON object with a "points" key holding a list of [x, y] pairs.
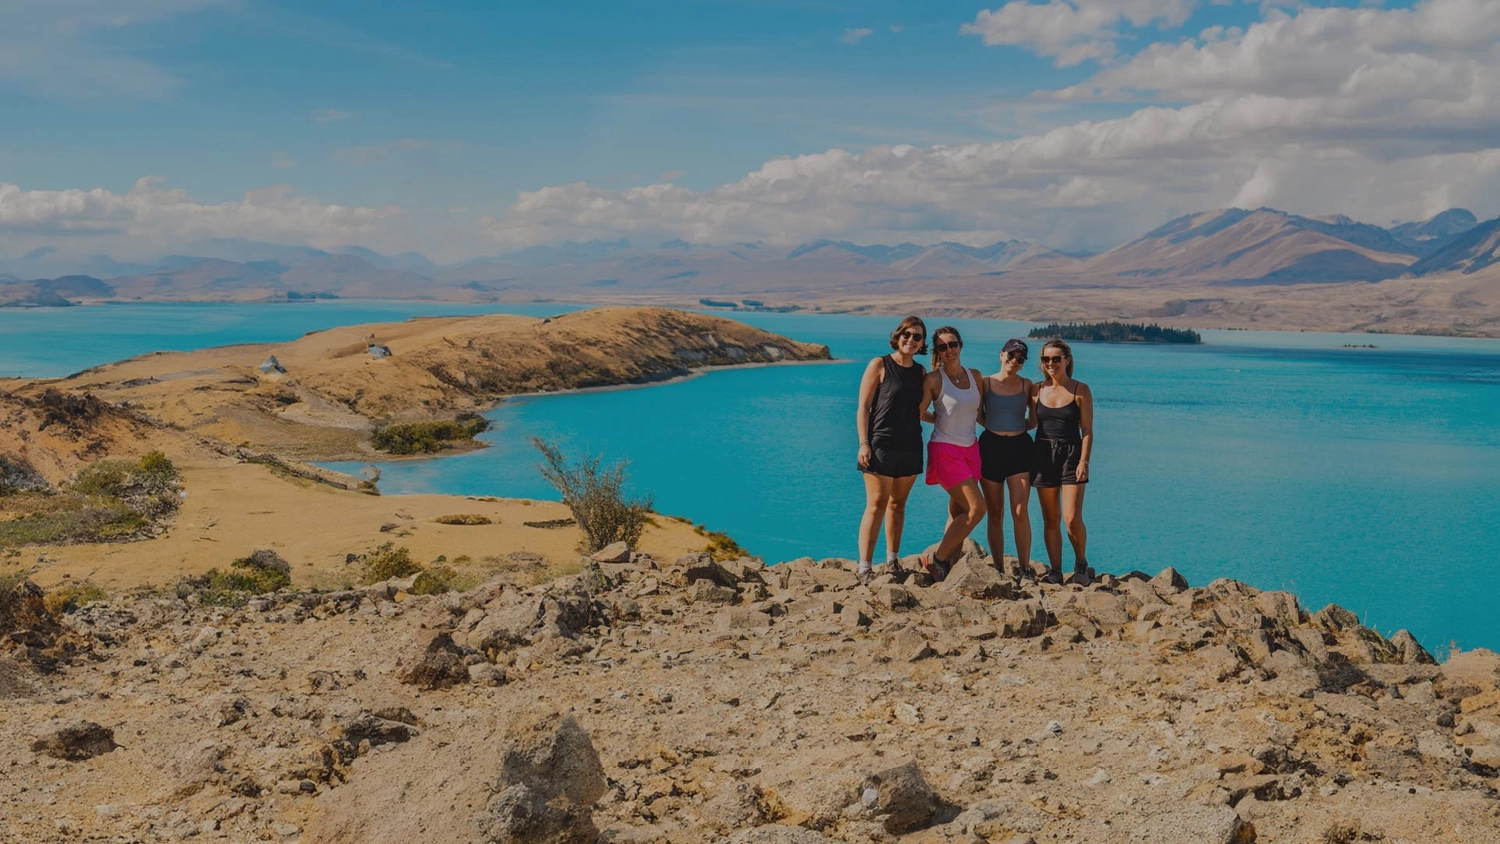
{"points": [[1366, 477]]}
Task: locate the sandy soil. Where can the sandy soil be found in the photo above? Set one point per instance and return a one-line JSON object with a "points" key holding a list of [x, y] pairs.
{"points": [[233, 508]]}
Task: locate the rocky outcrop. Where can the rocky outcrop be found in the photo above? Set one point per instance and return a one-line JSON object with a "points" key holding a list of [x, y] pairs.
{"points": [[700, 700]]}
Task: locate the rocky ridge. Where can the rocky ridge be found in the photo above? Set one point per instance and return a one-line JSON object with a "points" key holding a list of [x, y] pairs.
{"points": [[708, 701]]}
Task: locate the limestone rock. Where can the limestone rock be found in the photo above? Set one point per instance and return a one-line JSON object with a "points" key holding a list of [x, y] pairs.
{"points": [[901, 797], [974, 578], [433, 661], [75, 741], [778, 834], [1197, 825], [894, 597], [1334, 619], [708, 592], [731, 619], [1410, 650], [550, 779], [1169, 581], [615, 552]]}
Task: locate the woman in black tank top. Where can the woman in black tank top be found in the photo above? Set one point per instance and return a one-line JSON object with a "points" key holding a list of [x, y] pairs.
{"points": [[1064, 440], [889, 424]]}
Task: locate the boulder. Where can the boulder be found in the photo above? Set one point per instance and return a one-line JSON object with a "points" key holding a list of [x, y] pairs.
{"points": [[1019, 619], [733, 619], [778, 834], [1411, 651], [1196, 825], [894, 597], [973, 578], [1479, 668], [1334, 619], [708, 592], [615, 552], [433, 661], [550, 779], [901, 797], [74, 741], [1169, 581], [701, 566]]}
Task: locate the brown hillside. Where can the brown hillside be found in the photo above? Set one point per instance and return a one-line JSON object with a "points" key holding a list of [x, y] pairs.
{"points": [[334, 392]]}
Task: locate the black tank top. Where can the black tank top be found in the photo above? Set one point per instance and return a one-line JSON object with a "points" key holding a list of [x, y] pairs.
{"points": [[896, 415], [1059, 423]]}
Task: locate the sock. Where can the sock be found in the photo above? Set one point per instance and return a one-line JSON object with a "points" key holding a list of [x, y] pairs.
{"points": [[865, 567], [891, 557]]}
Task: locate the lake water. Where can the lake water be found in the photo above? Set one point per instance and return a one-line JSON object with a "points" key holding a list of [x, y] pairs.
{"points": [[1366, 477]]}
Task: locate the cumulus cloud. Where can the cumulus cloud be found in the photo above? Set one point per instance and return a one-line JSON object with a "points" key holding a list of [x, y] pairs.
{"points": [[1073, 31], [152, 212], [63, 47], [1381, 114], [854, 36]]}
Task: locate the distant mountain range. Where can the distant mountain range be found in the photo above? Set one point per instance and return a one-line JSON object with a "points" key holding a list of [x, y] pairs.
{"points": [[1224, 248]]}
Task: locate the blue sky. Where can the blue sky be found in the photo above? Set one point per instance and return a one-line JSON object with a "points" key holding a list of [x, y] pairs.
{"points": [[457, 125]]}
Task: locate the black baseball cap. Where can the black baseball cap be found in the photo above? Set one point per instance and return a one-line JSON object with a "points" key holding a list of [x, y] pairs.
{"points": [[1014, 345]]}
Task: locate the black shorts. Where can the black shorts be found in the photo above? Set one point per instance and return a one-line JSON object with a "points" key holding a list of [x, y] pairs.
{"points": [[1000, 457], [894, 462], [1056, 463]]}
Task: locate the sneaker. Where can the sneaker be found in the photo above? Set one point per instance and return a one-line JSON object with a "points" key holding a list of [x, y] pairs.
{"points": [[865, 574], [936, 568]]}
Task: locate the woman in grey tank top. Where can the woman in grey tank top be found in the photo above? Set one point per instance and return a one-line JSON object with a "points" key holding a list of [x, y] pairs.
{"points": [[1005, 452]]}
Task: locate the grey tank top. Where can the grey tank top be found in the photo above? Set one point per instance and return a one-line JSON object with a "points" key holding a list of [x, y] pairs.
{"points": [[1006, 414]]}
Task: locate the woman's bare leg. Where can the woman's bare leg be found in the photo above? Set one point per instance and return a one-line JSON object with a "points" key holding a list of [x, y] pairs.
{"points": [[895, 513], [1051, 525], [994, 527], [1020, 515], [1072, 514], [966, 503], [877, 499]]}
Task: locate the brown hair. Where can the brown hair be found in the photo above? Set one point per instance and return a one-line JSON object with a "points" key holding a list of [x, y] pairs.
{"points": [[947, 329], [1066, 349], [909, 322]]}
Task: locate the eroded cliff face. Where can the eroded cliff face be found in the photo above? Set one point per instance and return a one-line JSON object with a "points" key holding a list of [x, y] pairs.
{"points": [[693, 701]]}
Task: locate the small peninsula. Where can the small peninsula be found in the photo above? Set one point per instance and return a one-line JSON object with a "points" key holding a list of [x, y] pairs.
{"points": [[1116, 332]]}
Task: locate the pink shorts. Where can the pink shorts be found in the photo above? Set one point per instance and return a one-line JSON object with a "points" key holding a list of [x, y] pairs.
{"points": [[949, 465]]}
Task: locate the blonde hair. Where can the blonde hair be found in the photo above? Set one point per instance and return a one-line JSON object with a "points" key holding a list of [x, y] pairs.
{"points": [[1067, 351]]}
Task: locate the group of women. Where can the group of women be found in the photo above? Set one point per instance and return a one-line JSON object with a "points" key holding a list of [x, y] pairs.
{"points": [[897, 395]]}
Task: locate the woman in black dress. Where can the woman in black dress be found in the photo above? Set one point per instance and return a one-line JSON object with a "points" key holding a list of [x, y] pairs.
{"points": [[1064, 409], [889, 424]]}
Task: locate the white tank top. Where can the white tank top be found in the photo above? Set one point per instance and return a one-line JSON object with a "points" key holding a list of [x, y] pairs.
{"points": [[957, 412]]}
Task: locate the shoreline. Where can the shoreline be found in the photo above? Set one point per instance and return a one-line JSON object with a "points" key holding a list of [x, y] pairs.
{"points": [[949, 311]]}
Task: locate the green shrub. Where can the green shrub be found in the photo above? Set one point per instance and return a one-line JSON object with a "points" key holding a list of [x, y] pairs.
{"points": [[428, 437], [69, 597], [435, 581], [721, 546], [260, 573], [596, 495], [387, 561]]}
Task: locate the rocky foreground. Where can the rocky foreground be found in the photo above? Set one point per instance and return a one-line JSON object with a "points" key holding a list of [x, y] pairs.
{"points": [[698, 701]]}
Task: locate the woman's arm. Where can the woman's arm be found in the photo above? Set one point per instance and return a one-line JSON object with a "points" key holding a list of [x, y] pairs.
{"points": [[867, 387], [984, 390], [1086, 426], [1030, 389], [931, 386]]}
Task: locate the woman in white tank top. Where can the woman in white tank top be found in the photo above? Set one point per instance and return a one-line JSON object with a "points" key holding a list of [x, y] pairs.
{"points": [[954, 394]]}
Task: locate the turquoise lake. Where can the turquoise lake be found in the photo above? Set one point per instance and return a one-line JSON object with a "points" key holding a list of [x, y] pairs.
{"points": [[1366, 477]]}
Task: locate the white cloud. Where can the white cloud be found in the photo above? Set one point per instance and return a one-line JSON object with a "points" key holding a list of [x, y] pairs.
{"points": [[166, 216], [1381, 114], [376, 153], [63, 47], [1073, 31], [854, 36], [329, 115], [282, 161]]}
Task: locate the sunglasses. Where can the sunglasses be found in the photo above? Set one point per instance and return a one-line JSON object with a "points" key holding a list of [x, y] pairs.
{"points": [[913, 336], [943, 347], [1052, 358], [1016, 355]]}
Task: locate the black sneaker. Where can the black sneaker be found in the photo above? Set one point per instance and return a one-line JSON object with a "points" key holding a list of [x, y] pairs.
{"points": [[936, 568]]}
